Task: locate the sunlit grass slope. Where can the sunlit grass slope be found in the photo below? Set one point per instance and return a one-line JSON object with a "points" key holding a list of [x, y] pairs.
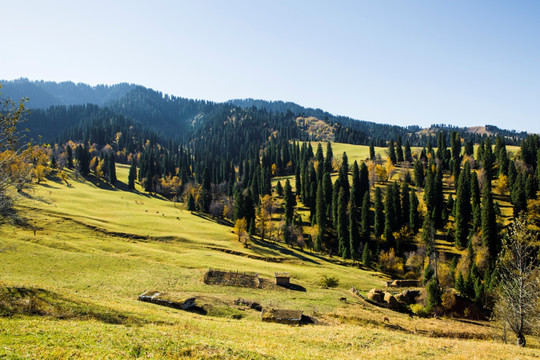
{"points": [[72, 275]]}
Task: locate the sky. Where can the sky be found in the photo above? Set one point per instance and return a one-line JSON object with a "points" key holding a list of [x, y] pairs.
{"points": [[404, 62]]}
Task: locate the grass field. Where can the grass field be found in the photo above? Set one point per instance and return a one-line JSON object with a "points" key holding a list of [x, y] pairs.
{"points": [[69, 289]]}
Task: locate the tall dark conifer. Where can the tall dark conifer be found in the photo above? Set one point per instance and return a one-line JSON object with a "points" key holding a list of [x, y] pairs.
{"points": [[343, 226], [379, 213]]}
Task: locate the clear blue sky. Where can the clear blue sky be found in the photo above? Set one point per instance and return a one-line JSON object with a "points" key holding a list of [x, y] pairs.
{"points": [[402, 62]]}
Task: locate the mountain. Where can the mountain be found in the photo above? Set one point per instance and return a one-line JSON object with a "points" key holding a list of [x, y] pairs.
{"points": [[178, 119], [43, 94]]}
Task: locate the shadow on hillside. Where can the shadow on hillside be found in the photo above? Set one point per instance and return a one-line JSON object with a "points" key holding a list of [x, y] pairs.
{"points": [[282, 250]]}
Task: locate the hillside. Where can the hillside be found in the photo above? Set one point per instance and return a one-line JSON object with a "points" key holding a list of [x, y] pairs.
{"points": [[96, 248]]}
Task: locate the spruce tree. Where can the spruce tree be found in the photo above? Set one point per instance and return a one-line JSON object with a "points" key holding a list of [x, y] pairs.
{"points": [[356, 194], [405, 204], [489, 223], [463, 207], [366, 256], [408, 154], [112, 169], [379, 213], [392, 152], [390, 216], [419, 173], [290, 202], [69, 153], [329, 158], [279, 188], [366, 216], [364, 180], [191, 203], [371, 151], [342, 226], [399, 150], [354, 231], [320, 217], [132, 175], [414, 215]]}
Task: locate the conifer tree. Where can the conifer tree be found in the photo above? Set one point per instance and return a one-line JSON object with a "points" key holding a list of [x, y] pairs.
{"points": [[327, 192], [371, 151], [342, 226], [366, 256], [364, 180], [399, 150], [343, 176], [354, 231], [279, 188], [69, 155], [366, 216], [414, 215], [379, 213], [132, 175], [463, 207], [329, 158], [390, 216], [419, 173], [392, 152], [405, 204], [356, 195], [191, 203], [320, 217], [290, 202], [112, 169], [408, 154], [489, 222]]}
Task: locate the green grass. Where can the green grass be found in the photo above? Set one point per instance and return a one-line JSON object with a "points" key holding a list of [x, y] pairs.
{"points": [[70, 289]]}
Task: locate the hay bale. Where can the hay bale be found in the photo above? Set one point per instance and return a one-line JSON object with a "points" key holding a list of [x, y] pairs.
{"points": [[408, 297], [375, 295]]}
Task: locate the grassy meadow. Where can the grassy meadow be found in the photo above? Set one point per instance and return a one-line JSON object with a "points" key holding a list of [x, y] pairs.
{"points": [[70, 277]]}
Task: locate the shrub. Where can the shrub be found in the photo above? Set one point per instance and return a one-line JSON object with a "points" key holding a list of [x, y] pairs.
{"points": [[329, 281]]}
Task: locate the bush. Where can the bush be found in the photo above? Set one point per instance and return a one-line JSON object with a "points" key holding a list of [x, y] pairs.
{"points": [[329, 281], [420, 310]]}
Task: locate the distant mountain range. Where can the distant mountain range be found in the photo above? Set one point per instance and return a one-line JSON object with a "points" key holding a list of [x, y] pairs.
{"points": [[58, 107]]}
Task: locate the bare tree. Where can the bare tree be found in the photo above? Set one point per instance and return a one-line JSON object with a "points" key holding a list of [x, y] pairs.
{"points": [[518, 295]]}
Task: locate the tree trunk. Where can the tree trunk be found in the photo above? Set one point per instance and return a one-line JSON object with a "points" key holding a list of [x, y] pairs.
{"points": [[521, 339]]}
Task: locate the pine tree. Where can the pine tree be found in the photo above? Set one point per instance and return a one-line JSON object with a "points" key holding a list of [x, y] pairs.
{"points": [[69, 156], [371, 151], [390, 219], [460, 284], [279, 188], [366, 256], [379, 213], [366, 216], [320, 217], [290, 202], [329, 158], [354, 232], [408, 154], [399, 150], [342, 226], [132, 175], [414, 215], [356, 194], [463, 207], [419, 173], [343, 176], [191, 203], [392, 152], [405, 204], [112, 169], [489, 223]]}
